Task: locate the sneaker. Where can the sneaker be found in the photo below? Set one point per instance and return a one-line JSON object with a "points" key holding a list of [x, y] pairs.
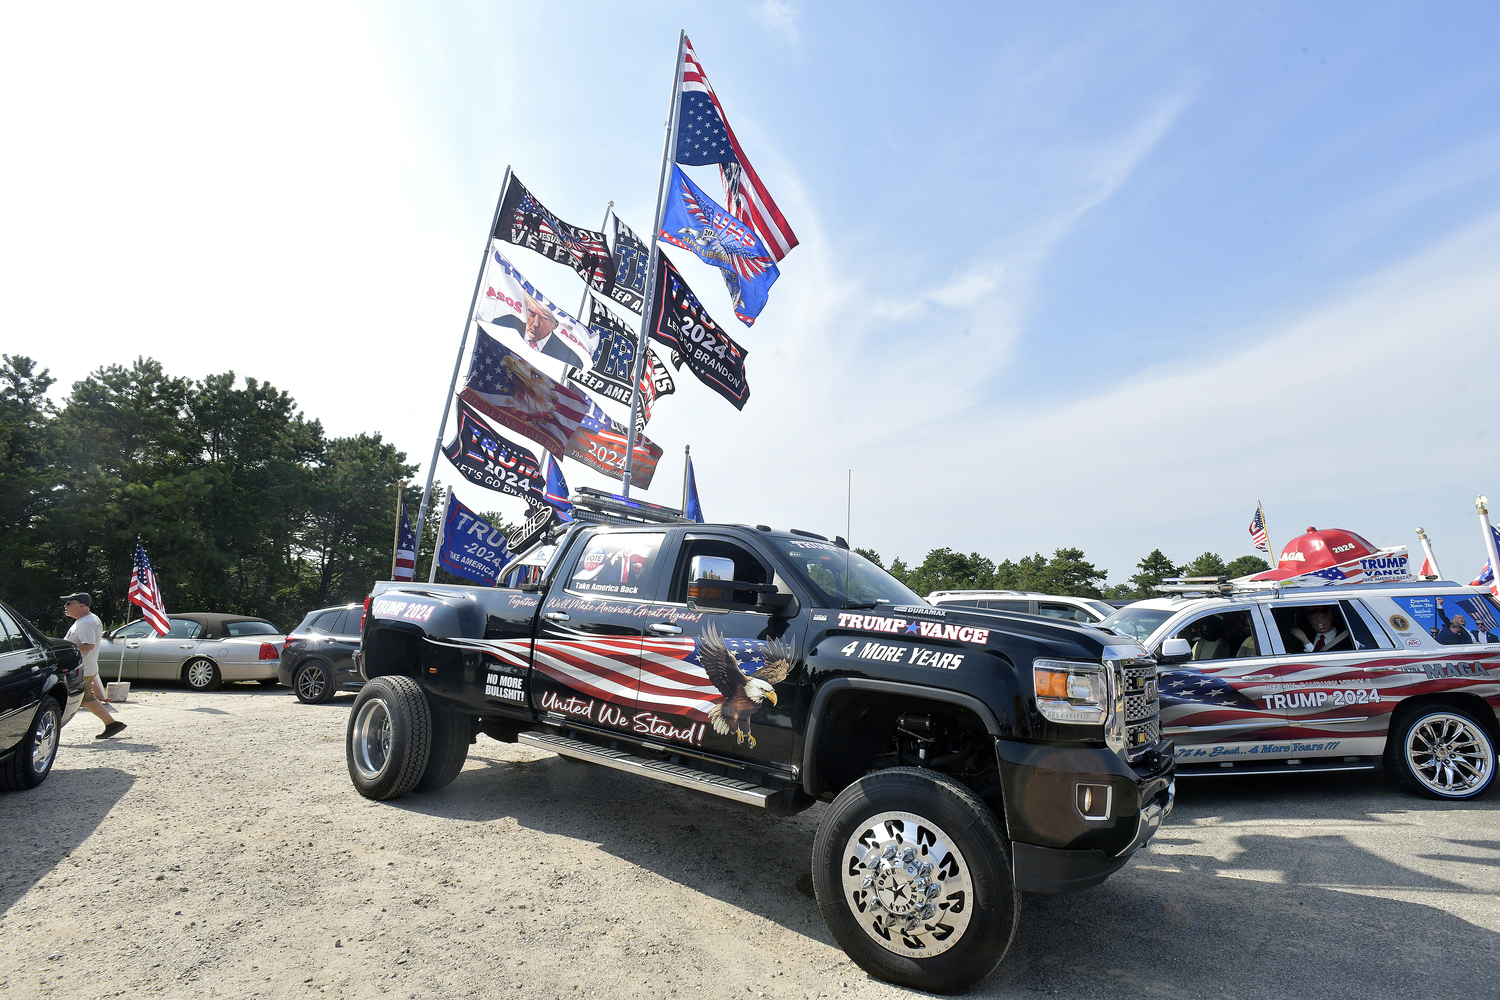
{"points": [[113, 729]]}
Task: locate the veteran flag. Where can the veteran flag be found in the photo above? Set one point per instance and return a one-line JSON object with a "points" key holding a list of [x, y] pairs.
{"points": [[695, 222], [599, 443], [487, 459], [509, 300], [510, 391], [684, 325], [525, 222], [631, 258]]}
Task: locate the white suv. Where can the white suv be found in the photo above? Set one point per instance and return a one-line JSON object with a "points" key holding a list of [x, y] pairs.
{"points": [[1073, 609], [1330, 678]]}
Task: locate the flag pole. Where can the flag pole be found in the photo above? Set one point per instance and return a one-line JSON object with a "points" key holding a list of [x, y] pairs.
{"points": [[396, 534], [1427, 551], [442, 530], [687, 463], [463, 342], [1489, 544], [668, 155], [583, 300]]}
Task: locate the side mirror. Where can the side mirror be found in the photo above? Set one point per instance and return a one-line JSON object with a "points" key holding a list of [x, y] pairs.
{"points": [[1174, 651]]}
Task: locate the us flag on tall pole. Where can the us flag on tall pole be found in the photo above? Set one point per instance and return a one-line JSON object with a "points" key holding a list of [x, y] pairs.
{"points": [[704, 136], [1258, 529], [406, 548], [145, 594]]}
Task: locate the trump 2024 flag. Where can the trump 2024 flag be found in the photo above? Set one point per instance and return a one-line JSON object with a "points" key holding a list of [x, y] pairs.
{"points": [[685, 326]]}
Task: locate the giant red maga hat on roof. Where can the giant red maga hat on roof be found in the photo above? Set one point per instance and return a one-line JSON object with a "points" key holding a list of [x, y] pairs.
{"points": [[1316, 550]]}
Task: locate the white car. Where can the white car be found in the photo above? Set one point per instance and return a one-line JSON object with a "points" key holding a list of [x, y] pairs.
{"points": [[201, 650], [1339, 678], [1073, 609]]}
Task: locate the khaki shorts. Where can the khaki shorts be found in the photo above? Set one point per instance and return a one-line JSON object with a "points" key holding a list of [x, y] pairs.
{"points": [[88, 687]]}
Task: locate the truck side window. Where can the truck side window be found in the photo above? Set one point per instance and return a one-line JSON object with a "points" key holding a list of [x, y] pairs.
{"points": [[616, 564], [747, 566]]}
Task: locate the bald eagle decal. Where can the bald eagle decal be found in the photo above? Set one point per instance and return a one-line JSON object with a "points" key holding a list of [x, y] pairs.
{"points": [[743, 694]]}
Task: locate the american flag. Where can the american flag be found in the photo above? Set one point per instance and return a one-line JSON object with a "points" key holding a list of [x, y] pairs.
{"points": [[1486, 577], [704, 136], [1198, 698], [145, 594], [1258, 530], [509, 390], [672, 679], [1480, 611], [406, 549]]}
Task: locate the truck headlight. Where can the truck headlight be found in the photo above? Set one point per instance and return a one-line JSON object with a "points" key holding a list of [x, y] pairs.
{"points": [[1073, 692]]}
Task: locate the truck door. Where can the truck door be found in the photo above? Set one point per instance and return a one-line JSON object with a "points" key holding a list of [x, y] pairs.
{"points": [[1220, 704], [586, 662], [718, 678]]}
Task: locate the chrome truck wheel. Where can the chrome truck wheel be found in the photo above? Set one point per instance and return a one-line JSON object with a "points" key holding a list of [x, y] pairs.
{"points": [[388, 738], [913, 879], [1442, 752]]}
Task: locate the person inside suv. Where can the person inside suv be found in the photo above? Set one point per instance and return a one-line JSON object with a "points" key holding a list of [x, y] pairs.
{"points": [[1327, 634]]}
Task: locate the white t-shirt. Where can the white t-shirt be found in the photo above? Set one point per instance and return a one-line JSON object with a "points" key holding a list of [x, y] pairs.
{"points": [[88, 629]]}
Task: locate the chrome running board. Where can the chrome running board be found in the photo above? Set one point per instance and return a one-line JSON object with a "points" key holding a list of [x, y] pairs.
{"points": [[1216, 771], [774, 799]]}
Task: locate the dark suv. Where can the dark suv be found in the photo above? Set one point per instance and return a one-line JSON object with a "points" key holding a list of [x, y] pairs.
{"points": [[318, 658], [41, 687]]}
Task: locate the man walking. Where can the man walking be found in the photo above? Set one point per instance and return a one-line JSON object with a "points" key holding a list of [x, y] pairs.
{"points": [[86, 633]]}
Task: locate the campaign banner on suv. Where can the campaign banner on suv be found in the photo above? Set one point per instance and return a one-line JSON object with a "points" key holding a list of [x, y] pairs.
{"points": [[472, 547]]}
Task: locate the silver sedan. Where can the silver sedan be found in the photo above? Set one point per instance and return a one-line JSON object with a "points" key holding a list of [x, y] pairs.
{"points": [[201, 650]]}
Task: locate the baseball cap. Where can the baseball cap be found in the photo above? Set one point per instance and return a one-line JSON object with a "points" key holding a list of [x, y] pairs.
{"points": [[81, 598]]}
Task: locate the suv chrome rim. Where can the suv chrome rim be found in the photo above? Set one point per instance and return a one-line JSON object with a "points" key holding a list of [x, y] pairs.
{"points": [[44, 741], [907, 886], [372, 738], [310, 682], [200, 673], [1449, 754]]}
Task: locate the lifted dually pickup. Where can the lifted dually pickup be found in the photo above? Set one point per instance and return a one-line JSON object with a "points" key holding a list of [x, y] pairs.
{"points": [[967, 755]]}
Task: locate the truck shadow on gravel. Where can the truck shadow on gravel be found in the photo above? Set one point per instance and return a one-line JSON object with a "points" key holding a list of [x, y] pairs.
{"points": [[1266, 922], [44, 825], [1208, 911]]}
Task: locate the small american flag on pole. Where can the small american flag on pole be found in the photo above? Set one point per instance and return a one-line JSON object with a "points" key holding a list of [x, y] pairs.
{"points": [[1258, 530], [145, 594], [406, 548]]}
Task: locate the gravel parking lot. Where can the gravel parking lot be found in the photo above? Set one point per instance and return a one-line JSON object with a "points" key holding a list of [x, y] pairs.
{"points": [[218, 849]]}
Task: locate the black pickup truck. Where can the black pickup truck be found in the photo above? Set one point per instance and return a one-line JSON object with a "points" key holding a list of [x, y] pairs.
{"points": [[966, 755]]}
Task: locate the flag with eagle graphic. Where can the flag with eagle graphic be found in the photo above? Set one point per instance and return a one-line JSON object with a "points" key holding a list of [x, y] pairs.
{"points": [[507, 389], [527, 223], [694, 221]]}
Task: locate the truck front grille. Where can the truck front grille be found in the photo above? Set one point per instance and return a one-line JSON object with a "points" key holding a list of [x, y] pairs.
{"points": [[1142, 709]]}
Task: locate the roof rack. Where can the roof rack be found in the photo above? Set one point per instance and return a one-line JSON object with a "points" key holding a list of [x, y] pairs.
{"points": [[597, 507], [1195, 585]]}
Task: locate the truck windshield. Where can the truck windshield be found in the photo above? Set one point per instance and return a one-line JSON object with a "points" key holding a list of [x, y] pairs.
{"points": [[1138, 623], [839, 578]]}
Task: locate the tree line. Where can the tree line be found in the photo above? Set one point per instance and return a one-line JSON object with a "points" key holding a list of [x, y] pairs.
{"points": [[243, 504], [1066, 572]]}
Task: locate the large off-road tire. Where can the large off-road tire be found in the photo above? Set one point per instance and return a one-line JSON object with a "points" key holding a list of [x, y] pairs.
{"points": [[34, 755], [1441, 752], [313, 683], [914, 881], [389, 737], [202, 675], [451, 732]]}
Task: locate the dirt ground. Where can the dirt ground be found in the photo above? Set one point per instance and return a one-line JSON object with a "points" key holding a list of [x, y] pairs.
{"points": [[218, 849]]}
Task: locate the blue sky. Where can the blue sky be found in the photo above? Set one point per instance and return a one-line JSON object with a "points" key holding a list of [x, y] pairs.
{"points": [[1080, 274]]}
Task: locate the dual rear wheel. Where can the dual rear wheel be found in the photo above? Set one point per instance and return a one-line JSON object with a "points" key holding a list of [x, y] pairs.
{"points": [[397, 743]]}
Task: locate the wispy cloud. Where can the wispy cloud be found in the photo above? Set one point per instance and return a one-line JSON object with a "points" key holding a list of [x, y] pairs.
{"points": [[779, 16]]}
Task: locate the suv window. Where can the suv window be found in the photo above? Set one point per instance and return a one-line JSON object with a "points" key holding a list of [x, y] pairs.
{"points": [[617, 563], [9, 633], [1066, 612], [1222, 636], [183, 629], [325, 622], [1315, 628], [349, 623], [1455, 619], [252, 628], [1023, 607]]}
